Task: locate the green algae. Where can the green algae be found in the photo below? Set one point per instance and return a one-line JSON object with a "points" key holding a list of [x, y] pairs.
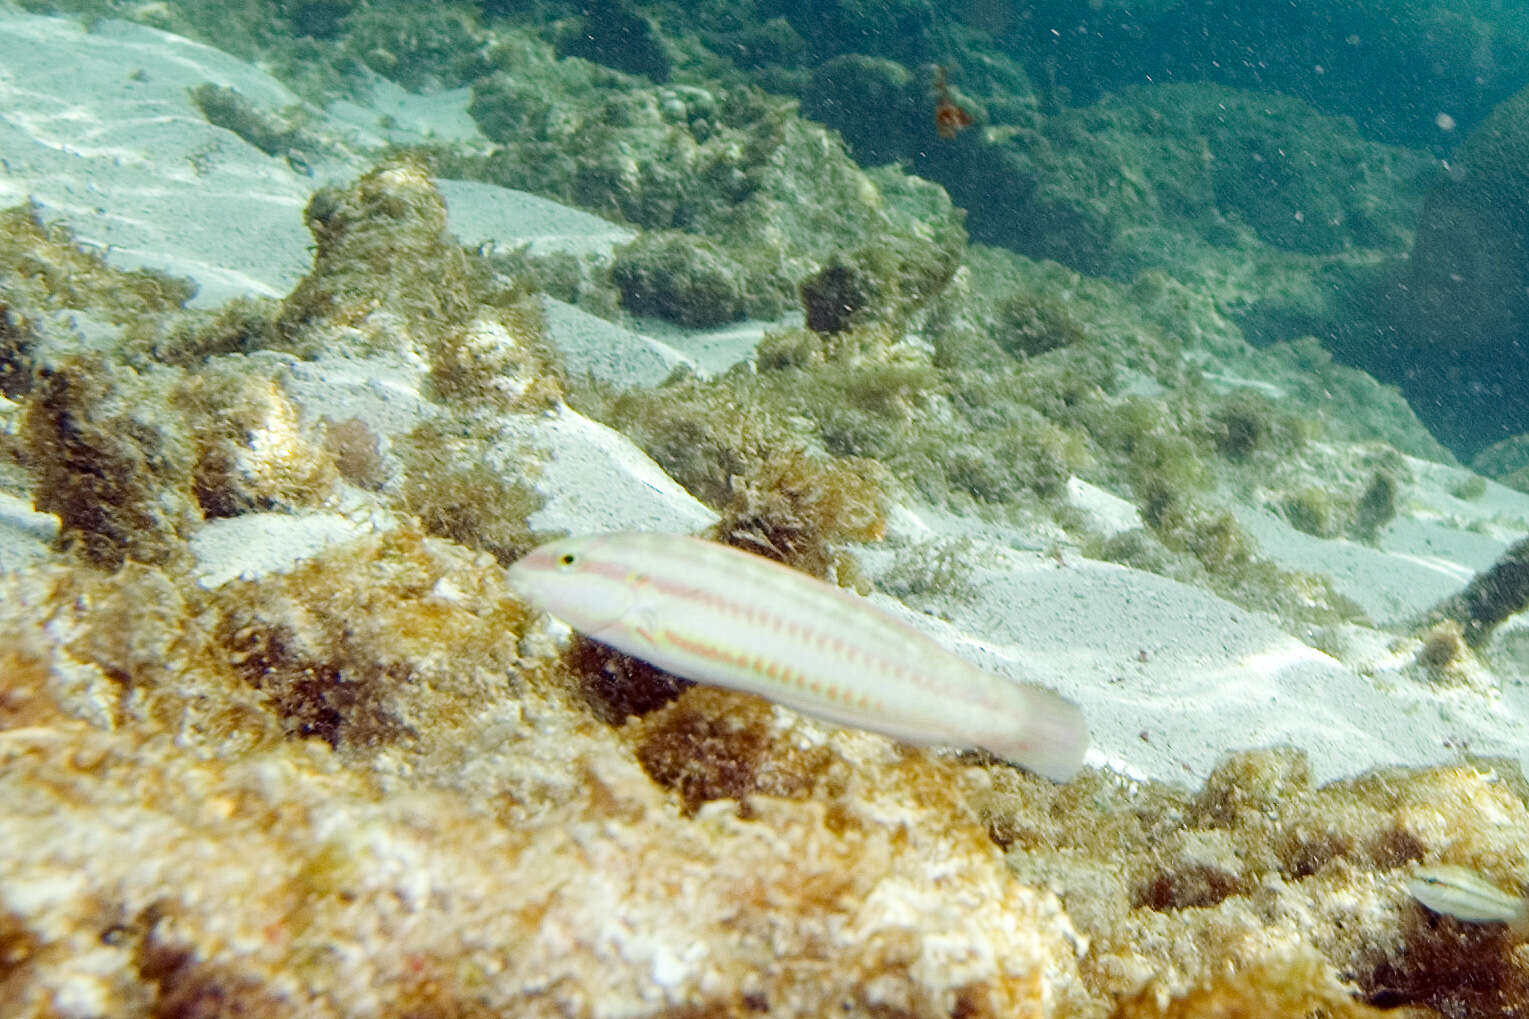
{"points": [[1489, 598], [447, 481], [724, 166], [45, 267], [106, 467], [275, 134], [969, 424], [1312, 510], [683, 278], [1376, 507]]}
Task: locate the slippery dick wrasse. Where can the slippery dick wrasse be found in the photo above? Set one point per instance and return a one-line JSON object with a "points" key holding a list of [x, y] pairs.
{"points": [[717, 615]]}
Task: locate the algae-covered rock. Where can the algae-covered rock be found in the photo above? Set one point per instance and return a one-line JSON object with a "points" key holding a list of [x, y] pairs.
{"points": [[44, 267], [1303, 884], [1465, 284], [1376, 507], [450, 482], [133, 463], [878, 105], [1101, 188], [252, 449], [1312, 510], [615, 33], [1506, 461], [380, 246], [131, 450], [364, 743], [886, 113], [273, 134], [388, 278], [677, 277], [753, 45], [1390, 66], [18, 344], [833, 297], [423, 48], [770, 193], [108, 459], [1029, 324], [797, 508], [904, 30], [888, 282], [1462, 308], [1209, 160], [1494, 594]]}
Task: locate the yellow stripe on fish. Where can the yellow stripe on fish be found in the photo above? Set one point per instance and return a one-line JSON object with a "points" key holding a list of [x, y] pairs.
{"points": [[718, 615]]}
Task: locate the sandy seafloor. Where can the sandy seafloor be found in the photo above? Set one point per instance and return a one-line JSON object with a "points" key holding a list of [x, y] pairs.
{"points": [[187, 848]]}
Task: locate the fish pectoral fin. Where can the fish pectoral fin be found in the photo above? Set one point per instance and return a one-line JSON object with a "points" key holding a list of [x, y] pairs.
{"points": [[643, 621]]}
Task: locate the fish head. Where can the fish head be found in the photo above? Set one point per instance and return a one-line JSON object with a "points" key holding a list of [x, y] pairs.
{"points": [[572, 580]]}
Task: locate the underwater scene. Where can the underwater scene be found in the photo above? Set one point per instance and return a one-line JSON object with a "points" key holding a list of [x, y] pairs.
{"points": [[803, 508]]}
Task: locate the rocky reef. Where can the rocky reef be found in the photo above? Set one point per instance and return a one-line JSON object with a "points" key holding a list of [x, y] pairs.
{"points": [[1460, 307], [276, 739], [365, 784]]}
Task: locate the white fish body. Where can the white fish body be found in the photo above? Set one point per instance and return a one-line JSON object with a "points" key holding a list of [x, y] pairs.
{"points": [[718, 615], [1465, 895]]}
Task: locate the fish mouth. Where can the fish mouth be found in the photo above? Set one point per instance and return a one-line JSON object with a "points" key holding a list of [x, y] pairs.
{"points": [[518, 579]]}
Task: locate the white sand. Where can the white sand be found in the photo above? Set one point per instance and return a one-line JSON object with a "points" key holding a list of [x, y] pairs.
{"points": [[97, 129], [1172, 677], [607, 351], [484, 216]]}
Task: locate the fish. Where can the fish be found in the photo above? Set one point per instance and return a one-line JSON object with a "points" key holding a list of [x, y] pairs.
{"points": [[950, 117], [1466, 895], [718, 615]]}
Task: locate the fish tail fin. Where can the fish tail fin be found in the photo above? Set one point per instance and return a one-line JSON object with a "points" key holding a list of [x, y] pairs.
{"points": [[1052, 741]]}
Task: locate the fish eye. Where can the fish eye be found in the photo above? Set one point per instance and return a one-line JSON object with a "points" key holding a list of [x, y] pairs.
{"points": [[566, 559]]}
